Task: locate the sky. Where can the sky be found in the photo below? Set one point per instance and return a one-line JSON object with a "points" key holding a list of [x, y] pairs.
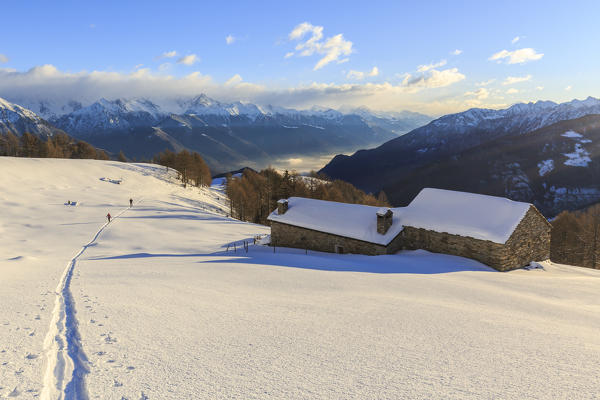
{"points": [[433, 57]]}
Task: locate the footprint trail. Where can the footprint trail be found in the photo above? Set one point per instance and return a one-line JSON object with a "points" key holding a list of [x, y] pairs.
{"points": [[67, 364]]}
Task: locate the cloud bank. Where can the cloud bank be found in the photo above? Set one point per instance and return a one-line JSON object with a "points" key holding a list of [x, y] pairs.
{"points": [[46, 82]]}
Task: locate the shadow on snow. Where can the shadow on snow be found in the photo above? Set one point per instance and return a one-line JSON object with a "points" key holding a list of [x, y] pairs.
{"points": [[405, 262]]}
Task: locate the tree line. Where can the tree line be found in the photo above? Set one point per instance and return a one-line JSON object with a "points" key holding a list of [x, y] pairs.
{"points": [[57, 146], [254, 195], [190, 166], [576, 238]]}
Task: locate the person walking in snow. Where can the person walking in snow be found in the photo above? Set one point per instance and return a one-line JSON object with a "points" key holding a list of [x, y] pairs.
{"points": [[108, 217], [130, 203]]}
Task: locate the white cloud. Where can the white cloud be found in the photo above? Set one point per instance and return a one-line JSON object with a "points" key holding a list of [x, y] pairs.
{"points": [[138, 66], [539, 88], [433, 78], [234, 80], [511, 80], [425, 68], [288, 54], [480, 94], [568, 88], [520, 56], [3, 59], [164, 66], [168, 54], [512, 91], [359, 75], [486, 83], [515, 39], [190, 59], [230, 39], [332, 49], [457, 52]]}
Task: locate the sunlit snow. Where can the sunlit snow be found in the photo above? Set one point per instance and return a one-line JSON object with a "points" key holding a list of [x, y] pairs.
{"points": [[164, 311]]}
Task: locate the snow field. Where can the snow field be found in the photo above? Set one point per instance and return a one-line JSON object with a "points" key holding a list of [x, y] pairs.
{"points": [[164, 312], [580, 157]]}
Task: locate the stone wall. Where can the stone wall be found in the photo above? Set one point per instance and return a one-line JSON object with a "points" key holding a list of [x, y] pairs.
{"points": [[487, 252], [283, 235], [530, 241]]}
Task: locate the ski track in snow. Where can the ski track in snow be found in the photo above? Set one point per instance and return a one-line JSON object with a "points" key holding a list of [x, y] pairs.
{"points": [[67, 364]]}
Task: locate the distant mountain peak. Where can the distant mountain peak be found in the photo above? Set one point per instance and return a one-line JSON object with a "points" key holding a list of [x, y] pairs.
{"points": [[18, 120]]}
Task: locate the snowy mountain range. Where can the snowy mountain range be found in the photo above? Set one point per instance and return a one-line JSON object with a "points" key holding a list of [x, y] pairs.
{"points": [[398, 122], [227, 135]]}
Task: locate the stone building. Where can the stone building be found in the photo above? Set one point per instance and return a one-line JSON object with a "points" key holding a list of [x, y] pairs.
{"points": [[501, 233]]}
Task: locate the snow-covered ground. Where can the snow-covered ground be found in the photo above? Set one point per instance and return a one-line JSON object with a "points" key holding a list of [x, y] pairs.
{"points": [[153, 305]]}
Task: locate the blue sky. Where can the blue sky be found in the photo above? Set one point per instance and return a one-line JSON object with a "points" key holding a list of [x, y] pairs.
{"points": [[385, 55]]}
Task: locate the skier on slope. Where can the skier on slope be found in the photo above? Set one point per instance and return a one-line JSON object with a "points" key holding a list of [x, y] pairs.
{"points": [[108, 217], [130, 203]]}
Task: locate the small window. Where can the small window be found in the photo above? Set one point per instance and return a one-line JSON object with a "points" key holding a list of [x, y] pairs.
{"points": [[339, 249]]}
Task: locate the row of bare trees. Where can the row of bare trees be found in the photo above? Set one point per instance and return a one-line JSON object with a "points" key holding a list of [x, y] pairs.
{"points": [[191, 167], [56, 146], [254, 195], [576, 238]]}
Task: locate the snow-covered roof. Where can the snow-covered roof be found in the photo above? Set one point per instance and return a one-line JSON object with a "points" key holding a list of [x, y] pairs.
{"points": [[349, 220], [466, 214], [459, 213]]}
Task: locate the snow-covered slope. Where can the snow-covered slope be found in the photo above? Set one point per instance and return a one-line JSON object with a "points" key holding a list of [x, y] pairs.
{"points": [[18, 120], [153, 305]]}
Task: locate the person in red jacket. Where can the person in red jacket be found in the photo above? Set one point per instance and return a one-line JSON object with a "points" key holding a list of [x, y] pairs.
{"points": [[108, 217]]}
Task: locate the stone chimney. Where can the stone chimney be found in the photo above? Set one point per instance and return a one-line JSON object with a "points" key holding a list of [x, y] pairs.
{"points": [[282, 206], [384, 220]]}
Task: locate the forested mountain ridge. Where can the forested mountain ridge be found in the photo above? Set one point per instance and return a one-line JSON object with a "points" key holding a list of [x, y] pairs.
{"points": [[556, 168], [447, 136]]}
